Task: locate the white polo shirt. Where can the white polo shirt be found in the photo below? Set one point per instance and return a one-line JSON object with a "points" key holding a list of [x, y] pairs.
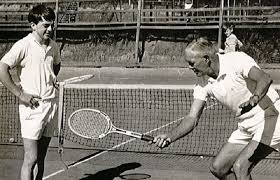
{"points": [[231, 86], [34, 65]]}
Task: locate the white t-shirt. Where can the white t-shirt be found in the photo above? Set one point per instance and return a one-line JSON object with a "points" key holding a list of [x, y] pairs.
{"points": [[232, 44], [232, 85], [34, 65]]}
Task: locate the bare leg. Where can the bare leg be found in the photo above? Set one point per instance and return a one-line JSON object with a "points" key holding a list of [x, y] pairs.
{"points": [[223, 162], [43, 145], [252, 154], [255, 151], [30, 158], [34, 154], [240, 158]]}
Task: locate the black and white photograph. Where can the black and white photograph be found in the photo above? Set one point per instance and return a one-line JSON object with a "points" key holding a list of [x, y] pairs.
{"points": [[139, 90]]}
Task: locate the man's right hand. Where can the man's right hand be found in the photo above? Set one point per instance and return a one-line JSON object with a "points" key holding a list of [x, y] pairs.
{"points": [[162, 141], [29, 99]]}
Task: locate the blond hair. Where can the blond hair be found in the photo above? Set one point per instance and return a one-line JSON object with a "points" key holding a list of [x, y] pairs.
{"points": [[201, 47]]}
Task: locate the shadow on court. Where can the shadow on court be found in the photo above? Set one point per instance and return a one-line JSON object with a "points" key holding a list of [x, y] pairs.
{"points": [[110, 174]]}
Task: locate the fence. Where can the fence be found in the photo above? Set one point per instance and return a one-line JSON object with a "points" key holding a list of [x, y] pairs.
{"points": [[94, 15]]}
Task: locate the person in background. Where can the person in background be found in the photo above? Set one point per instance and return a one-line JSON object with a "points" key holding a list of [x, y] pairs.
{"points": [[188, 4], [37, 61], [232, 43], [235, 80]]}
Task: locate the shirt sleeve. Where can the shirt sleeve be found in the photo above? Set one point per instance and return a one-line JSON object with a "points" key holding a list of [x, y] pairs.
{"points": [[240, 44], [246, 64], [14, 56], [200, 92]]}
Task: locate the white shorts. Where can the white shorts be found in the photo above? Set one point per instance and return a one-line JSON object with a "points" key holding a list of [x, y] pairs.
{"points": [[38, 122], [271, 126]]}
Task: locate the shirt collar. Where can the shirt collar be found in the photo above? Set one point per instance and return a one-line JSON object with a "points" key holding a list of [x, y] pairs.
{"points": [[50, 45], [222, 72]]}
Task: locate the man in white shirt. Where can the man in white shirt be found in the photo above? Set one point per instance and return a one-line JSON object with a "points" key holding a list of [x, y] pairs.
{"points": [[236, 81], [37, 61]]}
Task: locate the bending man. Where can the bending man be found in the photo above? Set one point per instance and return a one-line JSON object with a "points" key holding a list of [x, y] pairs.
{"points": [[236, 81]]}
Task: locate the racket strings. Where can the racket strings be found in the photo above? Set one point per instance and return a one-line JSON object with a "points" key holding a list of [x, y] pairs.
{"points": [[90, 124]]}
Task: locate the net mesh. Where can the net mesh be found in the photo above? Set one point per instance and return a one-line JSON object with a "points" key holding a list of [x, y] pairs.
{"points": [[140, 108], [9, 119], [89, 124], [150, 111]]}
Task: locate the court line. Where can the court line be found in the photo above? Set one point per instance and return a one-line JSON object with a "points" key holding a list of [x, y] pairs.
{"points": [[123, 143], [80, 162]]}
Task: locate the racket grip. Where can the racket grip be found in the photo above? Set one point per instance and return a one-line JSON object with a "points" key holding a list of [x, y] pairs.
{"points": [[147, 138]]}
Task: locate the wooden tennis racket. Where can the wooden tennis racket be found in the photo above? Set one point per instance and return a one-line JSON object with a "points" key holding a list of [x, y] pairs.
{"points": [[75, 79], [95, 124]]}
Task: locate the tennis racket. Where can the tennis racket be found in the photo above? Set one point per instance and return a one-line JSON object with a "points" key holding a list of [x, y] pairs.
{"points": [[75, 79], [95, 124]]}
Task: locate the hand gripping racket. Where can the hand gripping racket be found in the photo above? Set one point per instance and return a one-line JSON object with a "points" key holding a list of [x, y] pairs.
{"points": [[94, 124]]}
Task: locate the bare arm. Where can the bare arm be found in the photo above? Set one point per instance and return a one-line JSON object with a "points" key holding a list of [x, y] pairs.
{"points": [[239, 43], [7, 81], [187, 124], [262, 79], [262, 82], [56, 68]]}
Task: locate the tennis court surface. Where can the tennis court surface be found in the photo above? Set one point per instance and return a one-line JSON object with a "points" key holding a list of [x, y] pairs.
{"points": [[151, 106]]}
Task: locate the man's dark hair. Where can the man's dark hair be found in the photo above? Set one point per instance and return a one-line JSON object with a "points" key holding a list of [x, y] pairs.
{"points": [[37, 12], [228, 26]]}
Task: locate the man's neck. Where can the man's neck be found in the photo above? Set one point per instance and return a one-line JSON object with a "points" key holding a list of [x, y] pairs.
{"points": [[40, 40]]}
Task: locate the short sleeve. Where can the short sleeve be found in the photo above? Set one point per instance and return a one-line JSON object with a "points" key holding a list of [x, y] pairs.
{"points": [[14, 56], [246, 64], [200, 92]]}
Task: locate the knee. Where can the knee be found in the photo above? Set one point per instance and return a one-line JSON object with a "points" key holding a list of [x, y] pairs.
{"points": [[30, 159], [217, 170], [240, 168]]}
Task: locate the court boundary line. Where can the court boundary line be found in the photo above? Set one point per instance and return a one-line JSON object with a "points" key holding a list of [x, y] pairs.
{"points": [[105, 151]]}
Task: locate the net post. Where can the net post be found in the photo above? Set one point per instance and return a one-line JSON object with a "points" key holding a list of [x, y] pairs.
{"points": [[56, 20], [220, 24], [138, 27], [60, 121]]}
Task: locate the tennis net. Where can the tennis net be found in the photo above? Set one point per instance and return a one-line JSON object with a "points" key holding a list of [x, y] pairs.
{"points": [[148, 109]]}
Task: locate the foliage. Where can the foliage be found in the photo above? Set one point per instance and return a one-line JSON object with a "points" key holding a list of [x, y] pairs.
{"points": [[262, 44]]}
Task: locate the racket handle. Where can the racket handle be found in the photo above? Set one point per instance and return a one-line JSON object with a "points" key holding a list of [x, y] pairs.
{"points": [[147, 138]]}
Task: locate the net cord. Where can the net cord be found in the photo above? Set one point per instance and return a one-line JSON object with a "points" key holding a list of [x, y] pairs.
{"points": [[136, 86]]}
